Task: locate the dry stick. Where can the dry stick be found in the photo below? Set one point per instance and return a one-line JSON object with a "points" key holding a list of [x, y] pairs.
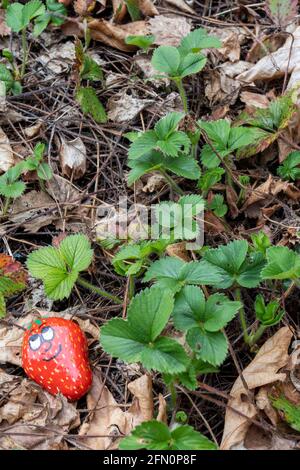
{"points": [[239, 370], [200, 414], [288, 63], [265, 426]]}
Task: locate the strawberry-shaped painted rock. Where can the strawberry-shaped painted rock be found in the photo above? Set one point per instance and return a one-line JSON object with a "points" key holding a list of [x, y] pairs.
{"points": [[55, 355]]}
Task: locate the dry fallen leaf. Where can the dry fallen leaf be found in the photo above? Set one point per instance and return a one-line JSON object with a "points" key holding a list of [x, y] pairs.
{"points": [[58, 59], [263, 370], [263, 193], [107, 420], [181, 5], [169, 30], [275, 65], [114, 35], [63, 191], [220, 88], [34, 130], [6, 153], [124, 107], [31, 211], [72, 156]]}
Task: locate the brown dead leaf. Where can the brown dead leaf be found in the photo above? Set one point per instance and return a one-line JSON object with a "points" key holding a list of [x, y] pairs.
{"points": [[114, 35], [219, 88], [254, 101], [73, 158], [34, 130], [181, 5], [30, 211], [119, 9], [109, 421], [4, 29], [264, 192], [6, 154], [275, 65], [263, 370], [84, 7], [232, 38], [178, 250], [169, 30], [58, 59], [147, 8], [63, 191], [124, 107], [27, 407], [232, 198], [212, 223]]}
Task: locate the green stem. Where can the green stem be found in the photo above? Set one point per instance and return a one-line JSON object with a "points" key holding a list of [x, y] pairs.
{"points": [[24, 47], [173, 395], [242, 315], [171, 182], [182, 95], [131, 287], [257, 335], [6, 205], [98, 291]]}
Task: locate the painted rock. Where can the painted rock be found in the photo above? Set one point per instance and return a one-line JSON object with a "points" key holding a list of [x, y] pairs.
{"points": [[55, 355]]}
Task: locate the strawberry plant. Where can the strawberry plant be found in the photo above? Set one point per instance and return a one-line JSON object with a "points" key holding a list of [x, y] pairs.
{"points": [[88, 70], [267, 314], [139, 338], [164, 149], [290, 170], [180, 62], [143, 42], [203, 322], [13, 279], [19, 17], [59, 268], [155, 435]]}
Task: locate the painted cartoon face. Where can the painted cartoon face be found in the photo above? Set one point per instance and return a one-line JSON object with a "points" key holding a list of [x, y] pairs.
{"points": [[55, 355]]}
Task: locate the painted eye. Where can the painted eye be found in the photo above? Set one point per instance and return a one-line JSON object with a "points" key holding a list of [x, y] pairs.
{"points": [[47, 333], [34, 342]]}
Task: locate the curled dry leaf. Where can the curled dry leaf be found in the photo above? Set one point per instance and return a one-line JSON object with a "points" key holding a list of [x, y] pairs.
{"points": [[84, 7], [31, 211], [124, 107], [36, 419], [114, 35], [263, 370], [263, 194], [34, 130], [220, 88], [107, 420], [58, 59], [181, 5], [275, 65], [169, 30], [232, 38], [6, 153], [178, 250], [73, 158]]}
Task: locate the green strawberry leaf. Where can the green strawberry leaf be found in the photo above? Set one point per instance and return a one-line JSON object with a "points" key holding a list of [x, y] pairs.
{"points": [[282, 263]]}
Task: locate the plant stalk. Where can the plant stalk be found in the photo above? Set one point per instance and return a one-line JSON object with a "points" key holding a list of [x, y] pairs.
{"points": [[242, 315], [6, 205], [25, 53], [172, 183], [257, 335], [182, 95], [99, 291]]}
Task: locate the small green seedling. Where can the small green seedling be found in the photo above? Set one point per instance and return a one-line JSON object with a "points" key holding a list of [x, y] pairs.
{"points": [[13, 279], [164, 149], [143, 42], [217, 205], [59, 268], [86, 96], [180, 62], [35, 163], [11, 187], [9, 78], [155, 435], [19, 17], [267, 314], [290, 169], [261, 242], [224, 140], [291, 412]]}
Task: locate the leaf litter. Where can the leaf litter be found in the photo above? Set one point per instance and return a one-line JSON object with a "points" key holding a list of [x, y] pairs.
{"points": [[254, 64]]}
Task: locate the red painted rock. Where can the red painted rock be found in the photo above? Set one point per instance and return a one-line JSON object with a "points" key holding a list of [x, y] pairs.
{"points": [[55, 355]]}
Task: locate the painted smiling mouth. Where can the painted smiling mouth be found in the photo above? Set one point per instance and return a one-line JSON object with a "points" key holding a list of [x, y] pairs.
{"points": [[55, 355]]}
